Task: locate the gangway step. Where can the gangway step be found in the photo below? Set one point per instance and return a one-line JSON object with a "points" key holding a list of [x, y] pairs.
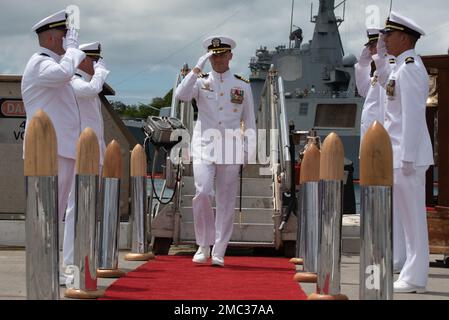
{"points": [[241, 233], [251, 187], [249, 215], [247, 202]]}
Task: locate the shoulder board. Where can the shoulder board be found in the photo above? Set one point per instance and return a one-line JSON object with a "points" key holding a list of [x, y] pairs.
{"points": [[44, 54], [241, 78], [409, 60], [203, 75], [392, 61]]}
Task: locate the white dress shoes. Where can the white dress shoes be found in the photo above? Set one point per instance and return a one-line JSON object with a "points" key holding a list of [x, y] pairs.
{"points": [[217, 261], [202, 254], [400, 286]]}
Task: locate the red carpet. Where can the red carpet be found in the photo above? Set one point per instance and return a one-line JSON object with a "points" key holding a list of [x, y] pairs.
{"points": [[177, 278]]}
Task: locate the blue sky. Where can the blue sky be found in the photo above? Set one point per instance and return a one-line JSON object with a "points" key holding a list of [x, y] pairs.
{"points": [[145, 42]]}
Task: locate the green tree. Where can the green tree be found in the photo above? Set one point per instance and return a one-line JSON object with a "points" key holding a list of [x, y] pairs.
{"points": [[142, 110]]}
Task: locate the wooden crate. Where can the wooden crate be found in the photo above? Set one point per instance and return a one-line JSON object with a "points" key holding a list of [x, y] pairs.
{"points": [[438, 226]]}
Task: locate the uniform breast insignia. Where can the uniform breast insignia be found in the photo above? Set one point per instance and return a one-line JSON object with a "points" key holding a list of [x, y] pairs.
{"points": [[374, 81], [391, 87], [241, 78], [409, 60], [207, 87], [203, 75], [237, 95]]}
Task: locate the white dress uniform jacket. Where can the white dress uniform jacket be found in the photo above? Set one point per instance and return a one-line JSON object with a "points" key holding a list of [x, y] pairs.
{"points": [[407, 91], [86, 89], [223, 101], [46, 86], [375, 98]]}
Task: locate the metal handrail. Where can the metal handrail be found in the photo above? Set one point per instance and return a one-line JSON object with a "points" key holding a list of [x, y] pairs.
{"points": [[285, 141], [273, 104], [174, 101]]}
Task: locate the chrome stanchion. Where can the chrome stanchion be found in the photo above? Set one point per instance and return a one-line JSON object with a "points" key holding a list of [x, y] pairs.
{"points": [[86, 217], [139, 221], [309, 213], [331, 214], [376, 181], [42, 244], [110, 214]]}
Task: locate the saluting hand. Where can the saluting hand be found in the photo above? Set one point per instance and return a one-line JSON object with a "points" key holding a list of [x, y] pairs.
{"points": [[381, 48], [72, 38], [365, 57], [202, 61], [100, 64]]}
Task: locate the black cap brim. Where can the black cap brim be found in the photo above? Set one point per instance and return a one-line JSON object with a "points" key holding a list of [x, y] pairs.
{"points": [[387, 30]]}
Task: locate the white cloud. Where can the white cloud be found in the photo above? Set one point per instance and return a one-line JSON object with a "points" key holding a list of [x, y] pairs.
{"points": [[150, 40]]}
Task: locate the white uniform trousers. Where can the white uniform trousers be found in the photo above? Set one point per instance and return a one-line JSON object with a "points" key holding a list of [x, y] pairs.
{"points": [[399, 253], [66, 173], [210, 230], [410, 200], [69, 228]]}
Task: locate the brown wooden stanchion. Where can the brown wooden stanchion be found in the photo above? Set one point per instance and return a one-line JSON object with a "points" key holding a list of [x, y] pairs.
{"points": [[42, 244], [331, 211], [86, 218], [297, 261], [309, 179], [376, 219], [140, 223], [110, 214]]}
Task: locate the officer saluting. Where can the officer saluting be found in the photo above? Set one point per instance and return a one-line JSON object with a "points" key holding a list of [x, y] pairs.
{"points": [[224, 101], [87, 84], [368, 85], [407, 88], [46, 86]]}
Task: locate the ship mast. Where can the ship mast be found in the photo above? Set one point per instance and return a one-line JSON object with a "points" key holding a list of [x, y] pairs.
{"points": [[291, 25], [326, 33]]}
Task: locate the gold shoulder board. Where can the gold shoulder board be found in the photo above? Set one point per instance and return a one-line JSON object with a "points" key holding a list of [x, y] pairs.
{"points": [[241, 78], [409, 60]]}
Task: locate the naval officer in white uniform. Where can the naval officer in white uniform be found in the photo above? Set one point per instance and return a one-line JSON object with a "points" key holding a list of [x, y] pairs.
{"points": [[368, 86], [46, 85], [407, 88], [87, 84], [225, 109]]}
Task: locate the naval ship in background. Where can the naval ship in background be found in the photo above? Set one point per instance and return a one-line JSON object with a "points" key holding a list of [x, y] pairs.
{"points": [[319, 81]]}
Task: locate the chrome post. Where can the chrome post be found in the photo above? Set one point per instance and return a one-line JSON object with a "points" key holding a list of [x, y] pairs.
{"points": [[376, 217], [85, 258], [41, 225], [86, 217], [329, 250], [109, 224], [311, 224], [376, 254], [139, 218], [42, 244]]}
